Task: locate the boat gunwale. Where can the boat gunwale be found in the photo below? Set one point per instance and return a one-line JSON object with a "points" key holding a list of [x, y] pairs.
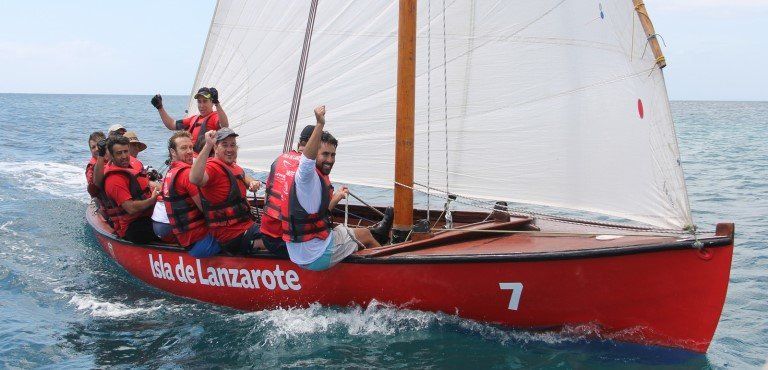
{"points": [[707, 242]]}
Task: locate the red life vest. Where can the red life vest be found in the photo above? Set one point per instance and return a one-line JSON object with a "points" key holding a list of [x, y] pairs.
{"points": [[116, 214], [234, 209], [93, 190], [286, 164], [183, 213], [297, 224], [200, 140]]}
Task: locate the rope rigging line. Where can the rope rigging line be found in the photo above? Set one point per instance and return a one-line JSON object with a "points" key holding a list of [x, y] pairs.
{"points": [[429, 99], [522, 212], [445, 100], [289, 132]]}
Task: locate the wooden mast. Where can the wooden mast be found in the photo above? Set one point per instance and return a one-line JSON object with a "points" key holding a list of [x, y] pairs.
{"points": [[406, 92], [650, 33]]}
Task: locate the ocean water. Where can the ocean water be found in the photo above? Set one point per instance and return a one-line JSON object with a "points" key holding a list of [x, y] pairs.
{"points": [[63, 303]]}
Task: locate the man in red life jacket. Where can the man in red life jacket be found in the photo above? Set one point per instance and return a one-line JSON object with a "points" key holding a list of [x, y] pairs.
{"points": [[93, 145], [305, 216], [129, 193], [271, 226], [222, 193], [181, 200], [197, 125]]}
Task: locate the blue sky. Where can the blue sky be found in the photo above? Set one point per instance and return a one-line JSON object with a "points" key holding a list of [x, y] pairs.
{"points": [[716, 49]]}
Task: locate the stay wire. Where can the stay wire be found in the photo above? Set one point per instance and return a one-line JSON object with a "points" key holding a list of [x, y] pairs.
{"points": [[291, 129]]}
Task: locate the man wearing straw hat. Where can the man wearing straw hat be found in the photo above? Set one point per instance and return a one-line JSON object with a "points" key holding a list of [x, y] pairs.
{"points": [[136, 146]]}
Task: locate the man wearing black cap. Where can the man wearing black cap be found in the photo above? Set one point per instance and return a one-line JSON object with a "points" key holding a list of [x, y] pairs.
{"points": [[197, 125], [222, 186]]}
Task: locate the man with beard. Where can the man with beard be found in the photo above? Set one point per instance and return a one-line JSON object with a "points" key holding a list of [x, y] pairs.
{"points": [[197, 125], [181, 201], [304, 210], [129, 196], [222, 186]]}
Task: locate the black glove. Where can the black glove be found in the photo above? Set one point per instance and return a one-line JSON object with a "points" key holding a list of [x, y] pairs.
{"points": [[157, 101], [214, 95], [102, 145]]}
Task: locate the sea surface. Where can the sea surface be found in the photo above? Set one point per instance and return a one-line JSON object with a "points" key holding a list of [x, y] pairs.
{"points": [[65, 304]]}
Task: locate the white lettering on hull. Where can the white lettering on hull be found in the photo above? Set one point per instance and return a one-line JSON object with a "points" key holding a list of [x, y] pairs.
{"points": [[182, 272]]}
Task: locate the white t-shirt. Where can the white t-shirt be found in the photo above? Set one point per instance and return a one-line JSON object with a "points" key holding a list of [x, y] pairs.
{"points": [[159, 214], [309, 193]]}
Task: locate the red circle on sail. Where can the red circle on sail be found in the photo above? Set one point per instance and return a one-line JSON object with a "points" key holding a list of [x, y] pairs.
{"points": [[640, 108]]}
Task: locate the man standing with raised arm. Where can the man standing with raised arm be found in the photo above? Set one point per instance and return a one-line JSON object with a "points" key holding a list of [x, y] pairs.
{"points": [[197, 125]]}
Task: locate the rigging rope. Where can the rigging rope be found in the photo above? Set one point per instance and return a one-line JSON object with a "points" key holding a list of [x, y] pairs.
{"points": [[445, 100], [289, 132], [429, 99], [522, 212]]}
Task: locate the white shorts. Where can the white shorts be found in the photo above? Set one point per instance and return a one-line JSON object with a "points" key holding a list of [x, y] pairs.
{"points": [[343, 243]]}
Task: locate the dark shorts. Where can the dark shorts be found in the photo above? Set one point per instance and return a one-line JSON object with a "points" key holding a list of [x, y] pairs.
{"points": [[140, 231], [243, 244], [275, 245]]}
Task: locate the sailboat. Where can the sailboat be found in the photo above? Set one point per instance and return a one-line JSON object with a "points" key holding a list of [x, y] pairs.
{"points": [[535, 137]]}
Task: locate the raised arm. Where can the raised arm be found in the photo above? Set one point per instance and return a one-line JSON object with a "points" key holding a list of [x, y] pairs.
{"points": [[197, 174], [168, 121], [98, 168], [223, 119], [313, 145]]}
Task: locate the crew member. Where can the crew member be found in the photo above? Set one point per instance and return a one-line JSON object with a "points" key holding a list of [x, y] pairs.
{"points": [[116, 129], [271, 227], [181, 201], [199, 124], [136, 145], [222, 193], [305, 217], [129, 195], [93, 145]]}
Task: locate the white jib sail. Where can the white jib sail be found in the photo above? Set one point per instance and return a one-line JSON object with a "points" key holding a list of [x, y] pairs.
{"points": [[553, 102]]}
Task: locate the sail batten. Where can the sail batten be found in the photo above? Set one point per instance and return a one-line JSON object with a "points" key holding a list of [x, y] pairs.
{"points": [[553, 103]]}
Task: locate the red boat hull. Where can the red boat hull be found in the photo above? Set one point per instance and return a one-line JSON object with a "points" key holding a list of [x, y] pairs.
{"points": [[670, 298]]}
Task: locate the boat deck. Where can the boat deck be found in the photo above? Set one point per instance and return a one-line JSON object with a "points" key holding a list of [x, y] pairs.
{"points": [[474, 237]]}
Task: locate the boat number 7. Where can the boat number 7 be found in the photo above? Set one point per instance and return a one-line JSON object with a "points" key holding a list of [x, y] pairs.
{"points": [[517, 291]]}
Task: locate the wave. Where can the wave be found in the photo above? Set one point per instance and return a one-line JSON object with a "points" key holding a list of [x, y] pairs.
{"points": [[52, 178], [99, 308]]}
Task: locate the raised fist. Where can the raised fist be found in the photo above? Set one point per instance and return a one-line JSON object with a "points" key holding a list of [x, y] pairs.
{"points": [[157, 101], [214, 95], [320, 114], [210, 138]]}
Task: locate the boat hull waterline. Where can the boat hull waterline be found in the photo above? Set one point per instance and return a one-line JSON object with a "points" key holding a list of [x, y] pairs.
{"points": [[670, 298]]}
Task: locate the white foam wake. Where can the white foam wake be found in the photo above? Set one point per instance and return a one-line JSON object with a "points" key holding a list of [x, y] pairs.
{"points": [[52, 178], [377, 319], [99, 308]]}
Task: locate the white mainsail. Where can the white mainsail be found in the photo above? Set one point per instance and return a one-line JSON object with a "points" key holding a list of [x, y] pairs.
{"points": [[555, 103]]}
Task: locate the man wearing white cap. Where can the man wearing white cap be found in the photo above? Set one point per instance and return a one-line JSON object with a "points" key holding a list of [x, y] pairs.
{"points": [[197, 125], [116, 129]]}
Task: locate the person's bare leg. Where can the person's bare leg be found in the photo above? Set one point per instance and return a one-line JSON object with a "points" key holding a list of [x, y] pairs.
{"points": [[364, 236]]}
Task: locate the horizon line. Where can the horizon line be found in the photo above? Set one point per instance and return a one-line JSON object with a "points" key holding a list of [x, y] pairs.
{"points": [[176, 94]]}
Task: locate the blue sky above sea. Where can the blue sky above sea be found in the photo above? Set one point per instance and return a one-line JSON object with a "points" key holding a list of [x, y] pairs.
{"points": [[715, 50]]}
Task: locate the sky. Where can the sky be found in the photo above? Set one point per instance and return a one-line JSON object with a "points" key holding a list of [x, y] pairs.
{"points": [[716, 49]]}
